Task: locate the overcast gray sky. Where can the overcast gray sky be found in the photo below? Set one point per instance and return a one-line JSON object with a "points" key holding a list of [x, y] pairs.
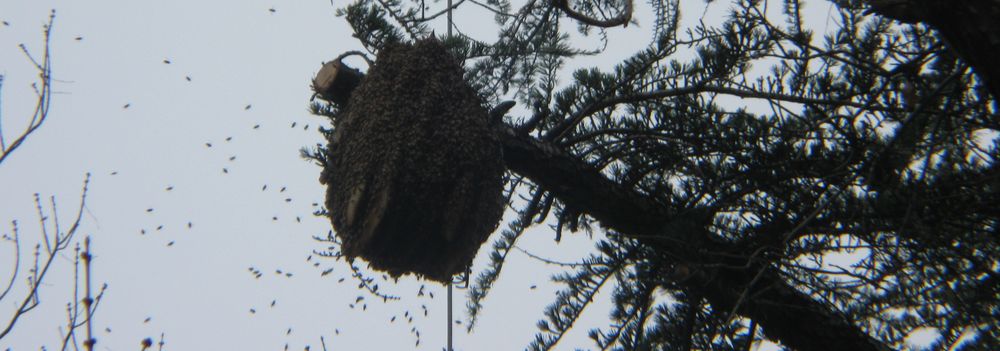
{"points": [[199, 291], [233, 65]]}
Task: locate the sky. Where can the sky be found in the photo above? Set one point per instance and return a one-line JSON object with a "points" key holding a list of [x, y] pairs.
{"points": [[183, 111], [248, 66]]}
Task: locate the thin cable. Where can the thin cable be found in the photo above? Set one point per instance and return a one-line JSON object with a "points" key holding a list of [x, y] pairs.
{"points": [[449, 35], [449, 310], [449, 283]]}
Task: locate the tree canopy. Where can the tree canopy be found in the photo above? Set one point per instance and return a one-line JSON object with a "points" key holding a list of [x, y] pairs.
{"points": [[755, 179]]}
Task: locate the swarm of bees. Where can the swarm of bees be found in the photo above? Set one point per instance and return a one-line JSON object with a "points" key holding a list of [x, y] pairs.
{"points": [[414, 170]]}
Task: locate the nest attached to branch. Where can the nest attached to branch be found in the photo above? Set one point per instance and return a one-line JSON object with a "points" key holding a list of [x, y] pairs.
{"points": [[414, 170]]}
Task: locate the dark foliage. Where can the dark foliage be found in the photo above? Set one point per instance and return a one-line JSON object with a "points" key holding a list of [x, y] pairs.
{"points": [[832, 191]]}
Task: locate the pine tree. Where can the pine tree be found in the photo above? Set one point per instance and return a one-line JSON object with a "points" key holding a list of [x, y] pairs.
{"points": [[879, 140]]}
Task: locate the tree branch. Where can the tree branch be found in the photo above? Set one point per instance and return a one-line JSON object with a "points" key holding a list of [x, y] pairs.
{"points": [[44, 95], [16, 239], [620, 20], [785, 313], [969, 27], [778, 307], [60, 241]]}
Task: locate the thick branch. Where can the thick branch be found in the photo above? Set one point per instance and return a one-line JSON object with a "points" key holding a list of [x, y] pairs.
{"points": [[335, 81], [971, 28], [576, 183], [785, 313]]}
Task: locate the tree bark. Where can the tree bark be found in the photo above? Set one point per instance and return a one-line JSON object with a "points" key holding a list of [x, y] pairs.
{"points": [[335, 82]]}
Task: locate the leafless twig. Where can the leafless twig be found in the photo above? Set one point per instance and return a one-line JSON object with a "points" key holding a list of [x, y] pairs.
{"points": [[43, 89], [55, 243], [88, 301], [17, 259]]}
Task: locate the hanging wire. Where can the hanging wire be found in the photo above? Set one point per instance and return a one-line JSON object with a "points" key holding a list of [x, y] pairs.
{"points": [[450, 24], [466, 274], [449, 27], [449, 317]]}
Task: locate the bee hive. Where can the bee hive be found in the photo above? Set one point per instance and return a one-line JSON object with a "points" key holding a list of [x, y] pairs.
{"points": [[414, 171]]}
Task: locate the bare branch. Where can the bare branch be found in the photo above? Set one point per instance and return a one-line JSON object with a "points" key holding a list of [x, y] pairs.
{"points": [[3, 143], [17, 261], [73, 308], [88, 301], [42, 218], [44, 66], [60, 241]]}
